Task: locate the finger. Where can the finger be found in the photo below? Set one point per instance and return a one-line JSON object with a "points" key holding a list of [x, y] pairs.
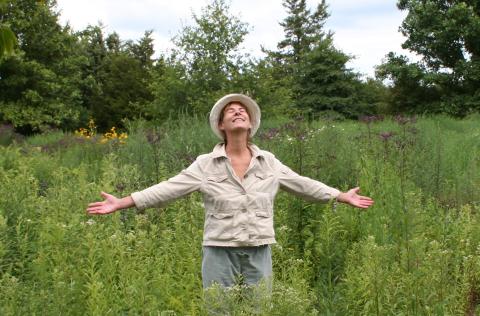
{"points": [[365, 198], [97, 208], [95, 213], [366, 204], [95, 204], [362, 206], [362, 199], [105, 195], [366, 201], [98, 212]]}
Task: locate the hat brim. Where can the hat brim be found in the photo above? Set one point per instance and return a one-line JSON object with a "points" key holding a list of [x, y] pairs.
{"points": [[252, 108]]}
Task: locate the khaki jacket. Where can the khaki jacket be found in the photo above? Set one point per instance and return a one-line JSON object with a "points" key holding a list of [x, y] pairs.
{"points": [[237, 213]]}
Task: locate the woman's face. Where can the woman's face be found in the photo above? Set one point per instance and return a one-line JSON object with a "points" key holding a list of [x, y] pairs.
{"points": [[235, 118]]}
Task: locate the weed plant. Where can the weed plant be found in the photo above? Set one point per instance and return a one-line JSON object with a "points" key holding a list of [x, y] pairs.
{"points": [[415, 252]]}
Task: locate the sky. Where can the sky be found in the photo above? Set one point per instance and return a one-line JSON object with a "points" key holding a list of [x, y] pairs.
{"points": [[364, 29]]}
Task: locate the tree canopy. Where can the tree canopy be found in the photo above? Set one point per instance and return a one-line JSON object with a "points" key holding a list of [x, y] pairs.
{"points": [[447, 79], [54, 76]]}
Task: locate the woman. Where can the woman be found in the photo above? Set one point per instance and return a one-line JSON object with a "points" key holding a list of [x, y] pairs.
{"points": [[239, 183]]}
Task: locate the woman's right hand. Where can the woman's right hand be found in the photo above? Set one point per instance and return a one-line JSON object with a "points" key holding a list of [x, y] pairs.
{"points": [[109, 205]]}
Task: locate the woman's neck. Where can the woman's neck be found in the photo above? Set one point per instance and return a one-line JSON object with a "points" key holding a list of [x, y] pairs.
{"points": [[236, 145]]}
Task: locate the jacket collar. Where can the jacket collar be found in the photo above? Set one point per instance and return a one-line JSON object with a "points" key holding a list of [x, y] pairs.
{"points": [[219, 151]]}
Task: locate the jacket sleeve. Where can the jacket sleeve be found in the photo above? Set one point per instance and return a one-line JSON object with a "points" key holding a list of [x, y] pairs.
{"points": [[159, 195], [304, 187]]}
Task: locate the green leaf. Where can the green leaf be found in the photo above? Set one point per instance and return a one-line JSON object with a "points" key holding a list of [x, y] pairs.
{"points": [[3, 5], [8, 41]]}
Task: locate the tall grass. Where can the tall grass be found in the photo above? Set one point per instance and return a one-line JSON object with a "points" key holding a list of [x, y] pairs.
{"points": [[415, 252]]}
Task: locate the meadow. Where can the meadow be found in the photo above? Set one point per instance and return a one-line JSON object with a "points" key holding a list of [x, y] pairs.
{"points": [[415, 252]]}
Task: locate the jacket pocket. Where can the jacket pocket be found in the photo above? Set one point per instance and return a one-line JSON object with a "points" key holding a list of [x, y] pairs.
{"points": [[263, 175], [263, 214], [264, 224], [216, 184], [222, 215], [217, 178], [265, 182], [219, 226]]}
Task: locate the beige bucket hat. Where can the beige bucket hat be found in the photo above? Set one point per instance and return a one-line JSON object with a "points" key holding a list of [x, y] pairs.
{"points": [[249, 103]]}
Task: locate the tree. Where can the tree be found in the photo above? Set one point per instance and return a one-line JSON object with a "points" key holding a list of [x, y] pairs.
{"points": [[8, 40], [170, 89], [280, 71], [113, 42], [326, 84], [124, 91], [39, 84], [303, 30], [413, 89], [311, 67], [116, 76], [445, 33], [143, 50], [209, 52]]}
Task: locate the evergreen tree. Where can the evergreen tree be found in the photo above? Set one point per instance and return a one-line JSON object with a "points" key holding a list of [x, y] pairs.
{"points": [[303, 31], [94, 49], [114, 45], [326, 84], [143, 50], [312, 67]]}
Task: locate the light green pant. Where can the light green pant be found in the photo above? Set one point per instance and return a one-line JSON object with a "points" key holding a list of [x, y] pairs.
{"points": [[229, 265], [237, 278]]}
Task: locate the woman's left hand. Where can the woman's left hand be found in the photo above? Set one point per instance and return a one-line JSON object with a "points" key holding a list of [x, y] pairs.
{"points": [[354, 199]]}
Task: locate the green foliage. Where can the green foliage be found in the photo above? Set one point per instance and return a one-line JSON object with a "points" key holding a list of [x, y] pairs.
{"points": [[116, 76], [8, 41], [59, 78], [444, 33], [169, 89], [312, 71], [208, 50], [40, 81], [416, 251], [372, 96], [326, 84], [412, 90], [36, 99], [303, 31]]}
